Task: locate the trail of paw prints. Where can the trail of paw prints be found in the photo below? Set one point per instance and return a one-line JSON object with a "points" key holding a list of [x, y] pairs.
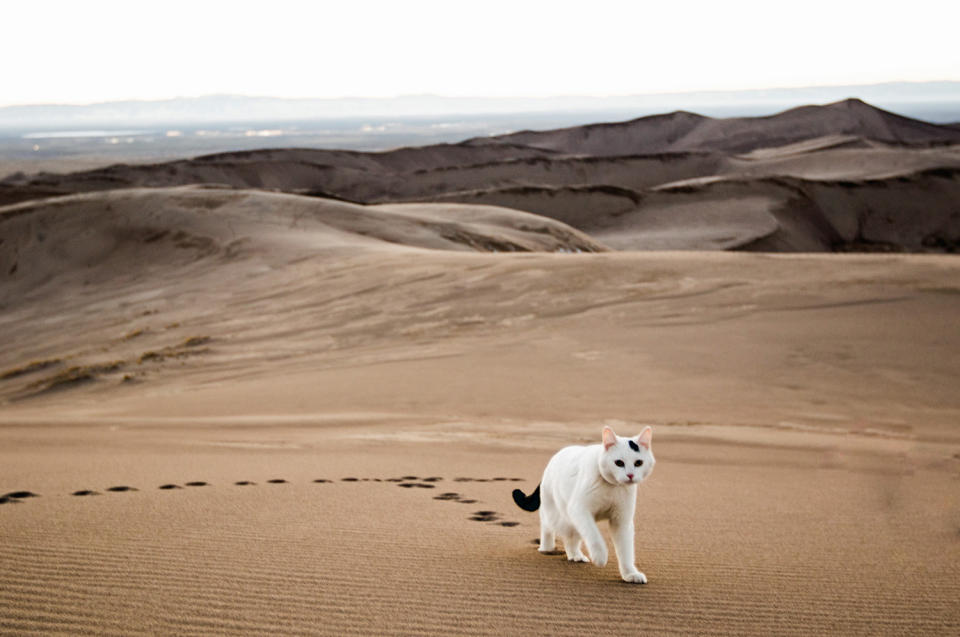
{"points": [[491, 516], [476, 516], [16, 497], [412, 482], [405, 482]]}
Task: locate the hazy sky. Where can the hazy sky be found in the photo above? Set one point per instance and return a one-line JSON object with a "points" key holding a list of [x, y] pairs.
{"points": [[90, 51]]}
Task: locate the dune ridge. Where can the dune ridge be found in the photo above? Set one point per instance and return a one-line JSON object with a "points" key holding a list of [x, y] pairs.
{"points": [[909, 212], [683, 131], [85, 233]]}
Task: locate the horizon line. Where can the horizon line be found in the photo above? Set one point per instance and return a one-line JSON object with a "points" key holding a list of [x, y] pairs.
{"points": [[400, 96]]}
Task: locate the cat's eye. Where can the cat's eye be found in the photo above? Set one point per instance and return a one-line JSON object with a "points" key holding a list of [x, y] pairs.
{"points": [[619, 463], [638, 463]]}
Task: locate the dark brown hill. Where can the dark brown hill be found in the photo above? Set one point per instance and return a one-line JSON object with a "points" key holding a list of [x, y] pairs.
{"points": [[682, 131], [291, 169]]}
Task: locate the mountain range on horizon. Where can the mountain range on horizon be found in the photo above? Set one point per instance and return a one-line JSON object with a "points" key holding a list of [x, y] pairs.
{"points": [[233, 108]]}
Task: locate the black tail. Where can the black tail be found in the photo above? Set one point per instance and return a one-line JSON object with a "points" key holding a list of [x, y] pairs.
{"points": [[527, 502]]}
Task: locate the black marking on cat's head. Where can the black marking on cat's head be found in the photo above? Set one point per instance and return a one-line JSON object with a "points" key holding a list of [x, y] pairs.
{"points": [[634, 446]]}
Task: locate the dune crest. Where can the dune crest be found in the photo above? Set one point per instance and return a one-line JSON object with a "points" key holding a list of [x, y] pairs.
{"points": [[142, 228]]}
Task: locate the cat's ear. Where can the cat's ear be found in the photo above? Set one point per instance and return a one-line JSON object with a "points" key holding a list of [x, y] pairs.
{"points": [[609, 438], [645, 437]]}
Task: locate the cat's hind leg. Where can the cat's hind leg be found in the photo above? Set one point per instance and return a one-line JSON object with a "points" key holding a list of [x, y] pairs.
{"points": [[548, 538]]}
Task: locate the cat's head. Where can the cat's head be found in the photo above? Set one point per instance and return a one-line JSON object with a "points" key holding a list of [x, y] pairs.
{"points": [[626, 460]]}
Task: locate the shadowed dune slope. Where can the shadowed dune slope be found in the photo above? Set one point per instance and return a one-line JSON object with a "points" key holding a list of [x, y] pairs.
{"points": [[331, 171], [915, 212]]}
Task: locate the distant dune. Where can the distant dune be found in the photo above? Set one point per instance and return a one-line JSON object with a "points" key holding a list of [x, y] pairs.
{"points": [[115, 233], [810, 179], [682, 131]]}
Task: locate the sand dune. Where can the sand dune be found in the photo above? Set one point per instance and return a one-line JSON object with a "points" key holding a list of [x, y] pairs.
{"points": [[281, 169], [804, 410], [234, 410], [913, 212], [746, 171], [81, 236], [602, 196], [682, 131]]}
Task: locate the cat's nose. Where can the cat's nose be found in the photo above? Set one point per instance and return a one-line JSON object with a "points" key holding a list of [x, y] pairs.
{"points": [[629, 476]]}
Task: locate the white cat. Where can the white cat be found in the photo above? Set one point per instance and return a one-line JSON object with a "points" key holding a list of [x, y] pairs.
{"points": [[582, 485]]}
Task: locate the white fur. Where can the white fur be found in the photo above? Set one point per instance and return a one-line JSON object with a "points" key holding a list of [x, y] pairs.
{"points": [[582, 485]]}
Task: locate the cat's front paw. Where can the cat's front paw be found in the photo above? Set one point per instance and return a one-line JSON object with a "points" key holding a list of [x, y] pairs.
{"points": [[578, 557], [635, 578], [598, 555]]}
